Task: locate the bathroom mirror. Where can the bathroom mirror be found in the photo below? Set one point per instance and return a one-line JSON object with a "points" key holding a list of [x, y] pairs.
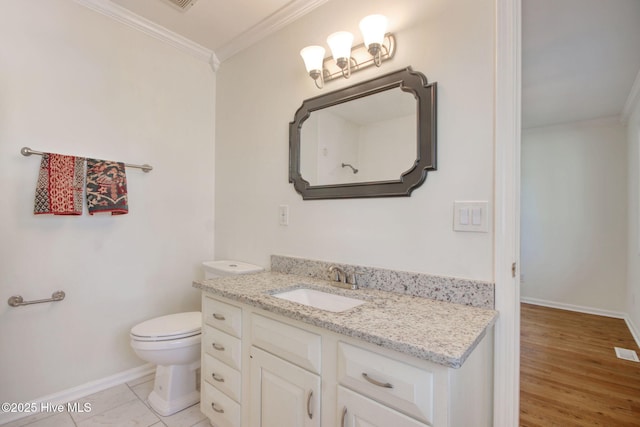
{"points": [[373, 139]]}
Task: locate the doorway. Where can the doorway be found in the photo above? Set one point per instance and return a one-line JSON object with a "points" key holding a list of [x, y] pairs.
{"points": [[579, 64]]}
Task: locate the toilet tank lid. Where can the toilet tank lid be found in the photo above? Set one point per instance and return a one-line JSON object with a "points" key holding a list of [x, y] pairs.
{"points": [[231, 267], [170, 325]]}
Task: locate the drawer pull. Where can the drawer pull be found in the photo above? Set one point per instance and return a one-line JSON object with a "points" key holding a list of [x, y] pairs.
{"points": [[374, 382], [218, 316], [344, 415], [309, 405], [219, 347], [217, 378], [213, 406]]}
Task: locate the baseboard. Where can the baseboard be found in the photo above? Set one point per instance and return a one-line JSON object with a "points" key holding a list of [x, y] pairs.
{"points": [[635, 332], [571, 307], [75, 393]]}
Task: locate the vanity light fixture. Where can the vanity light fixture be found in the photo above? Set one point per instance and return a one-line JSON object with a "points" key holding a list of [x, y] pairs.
{"points": [[378, 47], [373, 28], [340, 44], [312, 57]]}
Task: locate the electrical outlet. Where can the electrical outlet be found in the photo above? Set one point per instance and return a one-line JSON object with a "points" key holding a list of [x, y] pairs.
{"points": [[283, 214]]}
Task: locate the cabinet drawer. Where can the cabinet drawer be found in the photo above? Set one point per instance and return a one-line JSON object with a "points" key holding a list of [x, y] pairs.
{"points": [[221, 376], [356, 410], [222, 346], [298, 346], [222, 411], [397, 384], [223, 316]]}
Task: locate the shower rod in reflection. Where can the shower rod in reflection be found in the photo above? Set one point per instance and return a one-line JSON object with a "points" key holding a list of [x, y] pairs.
{"points": [[26, 151], [345, 165]]}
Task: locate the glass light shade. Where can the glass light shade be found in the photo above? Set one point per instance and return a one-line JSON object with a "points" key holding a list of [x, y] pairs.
{"points": [[340, 44], [373, 28], [313, 57]]}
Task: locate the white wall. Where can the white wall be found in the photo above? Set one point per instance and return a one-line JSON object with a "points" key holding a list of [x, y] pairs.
{"points": [[387, 149], [259, 90], [574, 214], [337, 144], [75, 82], [633, 263]]}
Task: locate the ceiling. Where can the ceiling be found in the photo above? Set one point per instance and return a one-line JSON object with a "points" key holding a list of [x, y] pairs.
{"points": [[222, 26], [580, 59]]}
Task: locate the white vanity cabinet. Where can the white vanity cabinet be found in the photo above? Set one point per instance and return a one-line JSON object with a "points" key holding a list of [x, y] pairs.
{"points": [[285, 375], [398, 385], [282, 394], [221, 369], [292, 374], [357, 410]]}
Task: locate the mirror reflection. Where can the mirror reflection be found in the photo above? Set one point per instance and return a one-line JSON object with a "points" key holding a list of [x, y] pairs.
{"points": [[367, 139]]}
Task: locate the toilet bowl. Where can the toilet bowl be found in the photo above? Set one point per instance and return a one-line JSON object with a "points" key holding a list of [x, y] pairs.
{"points": [[173, 344]]}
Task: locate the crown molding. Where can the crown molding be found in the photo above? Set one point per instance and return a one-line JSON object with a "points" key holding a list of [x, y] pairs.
{"points": [[277, 20], [125, 16], [632, 100]]}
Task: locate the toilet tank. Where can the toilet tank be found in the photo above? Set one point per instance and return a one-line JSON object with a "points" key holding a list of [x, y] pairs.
{"points": [[213, 269]]}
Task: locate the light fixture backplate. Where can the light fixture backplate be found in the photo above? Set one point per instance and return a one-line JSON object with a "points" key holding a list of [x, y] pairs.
{"points": [[361, 58]]}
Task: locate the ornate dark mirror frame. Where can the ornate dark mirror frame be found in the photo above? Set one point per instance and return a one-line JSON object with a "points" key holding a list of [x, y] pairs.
{"points": [[406, 80]]}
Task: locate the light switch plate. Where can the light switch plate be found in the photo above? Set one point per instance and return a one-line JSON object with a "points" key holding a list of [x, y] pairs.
{"points": [[471, 216]]}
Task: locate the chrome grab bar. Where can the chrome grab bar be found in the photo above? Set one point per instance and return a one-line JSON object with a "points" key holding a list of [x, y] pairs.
{"points": [[17, 300]]}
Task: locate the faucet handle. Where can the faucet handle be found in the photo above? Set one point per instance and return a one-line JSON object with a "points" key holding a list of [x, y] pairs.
{"points": [[354, 279], [339, 272]]}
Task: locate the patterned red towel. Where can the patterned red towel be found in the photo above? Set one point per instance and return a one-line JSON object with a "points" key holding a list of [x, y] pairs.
{"points": [[59, 188], [106, 187]]}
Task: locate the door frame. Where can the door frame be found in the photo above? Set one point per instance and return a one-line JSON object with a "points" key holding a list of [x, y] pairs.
{"points": [[507, 212]]}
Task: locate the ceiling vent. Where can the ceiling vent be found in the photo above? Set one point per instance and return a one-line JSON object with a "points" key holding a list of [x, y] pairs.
{"points": [[182, 5]]}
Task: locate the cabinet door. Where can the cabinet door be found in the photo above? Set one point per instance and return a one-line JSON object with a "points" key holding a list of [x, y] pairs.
{"points": [[355, 410], [282, 394]]}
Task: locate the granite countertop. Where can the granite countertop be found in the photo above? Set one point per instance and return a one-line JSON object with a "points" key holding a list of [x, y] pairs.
{"points": [[439, 332]]}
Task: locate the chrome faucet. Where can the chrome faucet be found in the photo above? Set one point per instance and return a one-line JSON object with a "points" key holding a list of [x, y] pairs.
{"points": [[341, 280]]}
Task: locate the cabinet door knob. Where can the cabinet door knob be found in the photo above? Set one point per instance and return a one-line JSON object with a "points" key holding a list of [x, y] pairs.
{"points": [[309, 405], [217, 378], [374, 382], [217, 346], [344, 416], [218, 316], [213, 406]]}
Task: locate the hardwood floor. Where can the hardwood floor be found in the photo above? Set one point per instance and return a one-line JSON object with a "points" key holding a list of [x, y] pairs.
{"points": [[569, 372]]}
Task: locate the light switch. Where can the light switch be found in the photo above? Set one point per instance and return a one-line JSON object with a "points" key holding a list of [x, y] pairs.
{"points": [[471, 216], [464, 216], [476, 216]]}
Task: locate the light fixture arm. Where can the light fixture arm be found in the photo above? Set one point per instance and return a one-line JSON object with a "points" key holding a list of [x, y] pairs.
{"points": [[361, 58], [375, 50], [317, 75]]}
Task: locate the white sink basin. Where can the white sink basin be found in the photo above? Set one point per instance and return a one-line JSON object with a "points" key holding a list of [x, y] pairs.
{"points": [[319, 299]]}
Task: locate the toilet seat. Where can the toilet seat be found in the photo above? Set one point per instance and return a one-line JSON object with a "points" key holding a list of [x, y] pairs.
{"points": [[168, 328]]}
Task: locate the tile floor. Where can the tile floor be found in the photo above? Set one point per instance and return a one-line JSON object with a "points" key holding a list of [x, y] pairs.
{"points": [[121, 406]]}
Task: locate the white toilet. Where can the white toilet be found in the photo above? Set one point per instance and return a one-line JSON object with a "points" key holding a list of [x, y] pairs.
{"points": [[213, 269], [172, 343]]}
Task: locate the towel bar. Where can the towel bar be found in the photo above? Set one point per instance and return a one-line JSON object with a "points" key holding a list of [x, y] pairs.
{"points": [[17, 301], [26, 151]]}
